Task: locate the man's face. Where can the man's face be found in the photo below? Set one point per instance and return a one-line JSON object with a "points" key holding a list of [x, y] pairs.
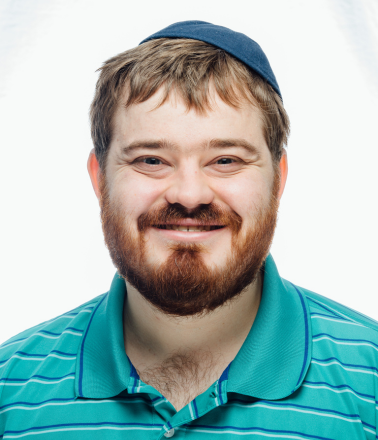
{"points": [[188, 203]]}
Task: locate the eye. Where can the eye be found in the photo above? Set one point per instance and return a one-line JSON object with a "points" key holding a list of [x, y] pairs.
{"points": [[152, 161], [224, 161]]}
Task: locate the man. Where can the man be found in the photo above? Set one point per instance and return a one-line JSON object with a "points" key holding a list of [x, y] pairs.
{"points": [[198, 336]]}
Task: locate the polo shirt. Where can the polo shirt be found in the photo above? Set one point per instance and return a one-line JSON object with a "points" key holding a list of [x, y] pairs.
{"points": [[307, 370]]}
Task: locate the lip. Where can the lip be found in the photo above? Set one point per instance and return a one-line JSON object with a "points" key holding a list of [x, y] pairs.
{"points": [[191, 222], [189, 237]]}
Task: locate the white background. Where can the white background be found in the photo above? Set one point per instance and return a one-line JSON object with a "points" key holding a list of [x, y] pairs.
{"points": [[325, 56]]}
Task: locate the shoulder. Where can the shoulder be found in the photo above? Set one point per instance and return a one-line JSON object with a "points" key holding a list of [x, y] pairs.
{"points": [[342, 336], [25, 356], [337, 315]]}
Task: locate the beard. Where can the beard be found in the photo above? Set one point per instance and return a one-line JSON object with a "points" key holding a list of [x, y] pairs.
{"points": [[184, 285]]}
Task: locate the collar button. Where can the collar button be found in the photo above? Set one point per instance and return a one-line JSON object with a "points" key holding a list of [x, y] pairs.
{"points": [[169, 433]]}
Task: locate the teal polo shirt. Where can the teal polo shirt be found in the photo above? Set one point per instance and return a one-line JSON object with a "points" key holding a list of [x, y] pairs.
{"points": [[307, 370]]}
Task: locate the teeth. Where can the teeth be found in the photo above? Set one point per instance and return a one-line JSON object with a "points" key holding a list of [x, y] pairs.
{"points": [[188, 228]]}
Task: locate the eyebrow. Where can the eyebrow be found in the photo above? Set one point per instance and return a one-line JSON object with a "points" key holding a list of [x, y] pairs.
{"points": [[212, 144], [228, 143]]}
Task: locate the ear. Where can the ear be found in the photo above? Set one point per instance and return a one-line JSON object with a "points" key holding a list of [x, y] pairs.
{"points": [[94, 172], [284, 170]]}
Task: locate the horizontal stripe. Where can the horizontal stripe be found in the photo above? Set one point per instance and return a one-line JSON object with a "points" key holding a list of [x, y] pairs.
{"points": [[339, 320], [24, 406], [346, 367], [39, 357], [340, 341], [253, 430], [339, 389], [36, 378], [304, 407], [354, 418], [345, 364], [83, 426], [99, 428], [328, 316], [331, 310], [44, 334]]}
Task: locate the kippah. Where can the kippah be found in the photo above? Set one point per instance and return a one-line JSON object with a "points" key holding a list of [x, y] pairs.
{"points": [[235, 43]]}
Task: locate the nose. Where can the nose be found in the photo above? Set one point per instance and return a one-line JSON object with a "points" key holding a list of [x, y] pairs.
{"points": [[189, 188]]}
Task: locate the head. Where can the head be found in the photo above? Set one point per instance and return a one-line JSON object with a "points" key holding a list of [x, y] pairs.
{"points": [[189, 166]]}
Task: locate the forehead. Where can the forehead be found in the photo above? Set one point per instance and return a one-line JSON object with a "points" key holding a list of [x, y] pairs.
{"points": [[187, 128]]}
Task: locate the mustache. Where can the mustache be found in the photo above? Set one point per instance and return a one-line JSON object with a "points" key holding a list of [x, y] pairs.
{"points": [[202, 213]]}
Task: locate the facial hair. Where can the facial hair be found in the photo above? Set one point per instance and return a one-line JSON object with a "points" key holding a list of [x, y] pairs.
{"points": [[184, 285]]}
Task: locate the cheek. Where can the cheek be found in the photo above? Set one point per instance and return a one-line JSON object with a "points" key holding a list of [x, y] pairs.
{"points": [[134, 194], [244, 195]]}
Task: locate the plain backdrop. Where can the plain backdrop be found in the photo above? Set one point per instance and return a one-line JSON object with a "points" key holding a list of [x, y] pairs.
{"points": [[325, 56]]}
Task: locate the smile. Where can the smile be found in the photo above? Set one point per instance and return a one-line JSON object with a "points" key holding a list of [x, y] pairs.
{"points": [[189, 228]]}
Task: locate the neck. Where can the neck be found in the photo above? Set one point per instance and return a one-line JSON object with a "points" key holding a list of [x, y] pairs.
{"points": [[151, 336]]}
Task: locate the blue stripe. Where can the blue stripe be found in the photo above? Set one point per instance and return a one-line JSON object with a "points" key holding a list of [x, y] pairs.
{"points": [[339, 386], [38, 355], [224, 375], [237, 428], [169, 425], [306, 333], [5, 379], [347, 340], [195, 408], [64, 425], [82, 348], [133, 371], [36, 404], [342, 363], [58, 334], [134, 386]]}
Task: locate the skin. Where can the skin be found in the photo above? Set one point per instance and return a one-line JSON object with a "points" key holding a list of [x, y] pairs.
{"points": [[190, 172]]}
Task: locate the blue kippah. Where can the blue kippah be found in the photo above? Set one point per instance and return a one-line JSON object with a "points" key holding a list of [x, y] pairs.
{"points": [[235, 43]]}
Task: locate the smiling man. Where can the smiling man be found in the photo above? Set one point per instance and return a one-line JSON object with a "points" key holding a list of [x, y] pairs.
{"points": [[198, 335]]}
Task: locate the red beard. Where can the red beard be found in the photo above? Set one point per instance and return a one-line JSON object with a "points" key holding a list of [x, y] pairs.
{"points": [[184, 285]]}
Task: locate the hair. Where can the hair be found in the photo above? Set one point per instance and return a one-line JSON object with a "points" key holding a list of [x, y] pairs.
{"points": [[187, 67]]}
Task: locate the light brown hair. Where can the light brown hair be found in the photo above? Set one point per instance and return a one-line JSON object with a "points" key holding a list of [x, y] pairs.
{"points": [[188, 67]]}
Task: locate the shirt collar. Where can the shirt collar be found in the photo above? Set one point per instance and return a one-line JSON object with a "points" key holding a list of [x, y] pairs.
{"points": [[271, 364]]}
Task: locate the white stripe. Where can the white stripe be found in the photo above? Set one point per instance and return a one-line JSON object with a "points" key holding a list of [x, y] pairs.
{"points": [[191, 411], [319, 387], [336, 320], [35, 380], [43, 335], [139, 385], [161, 401], [345, 343], [344, 368], [77, 402], [114, 428], [264, 434], [369, 430], [332, 416], [29, 358], [337, 311], [217, 402]]}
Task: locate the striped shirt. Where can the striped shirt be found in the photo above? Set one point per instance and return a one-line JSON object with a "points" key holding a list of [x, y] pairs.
{"points": [[307, 370]]}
